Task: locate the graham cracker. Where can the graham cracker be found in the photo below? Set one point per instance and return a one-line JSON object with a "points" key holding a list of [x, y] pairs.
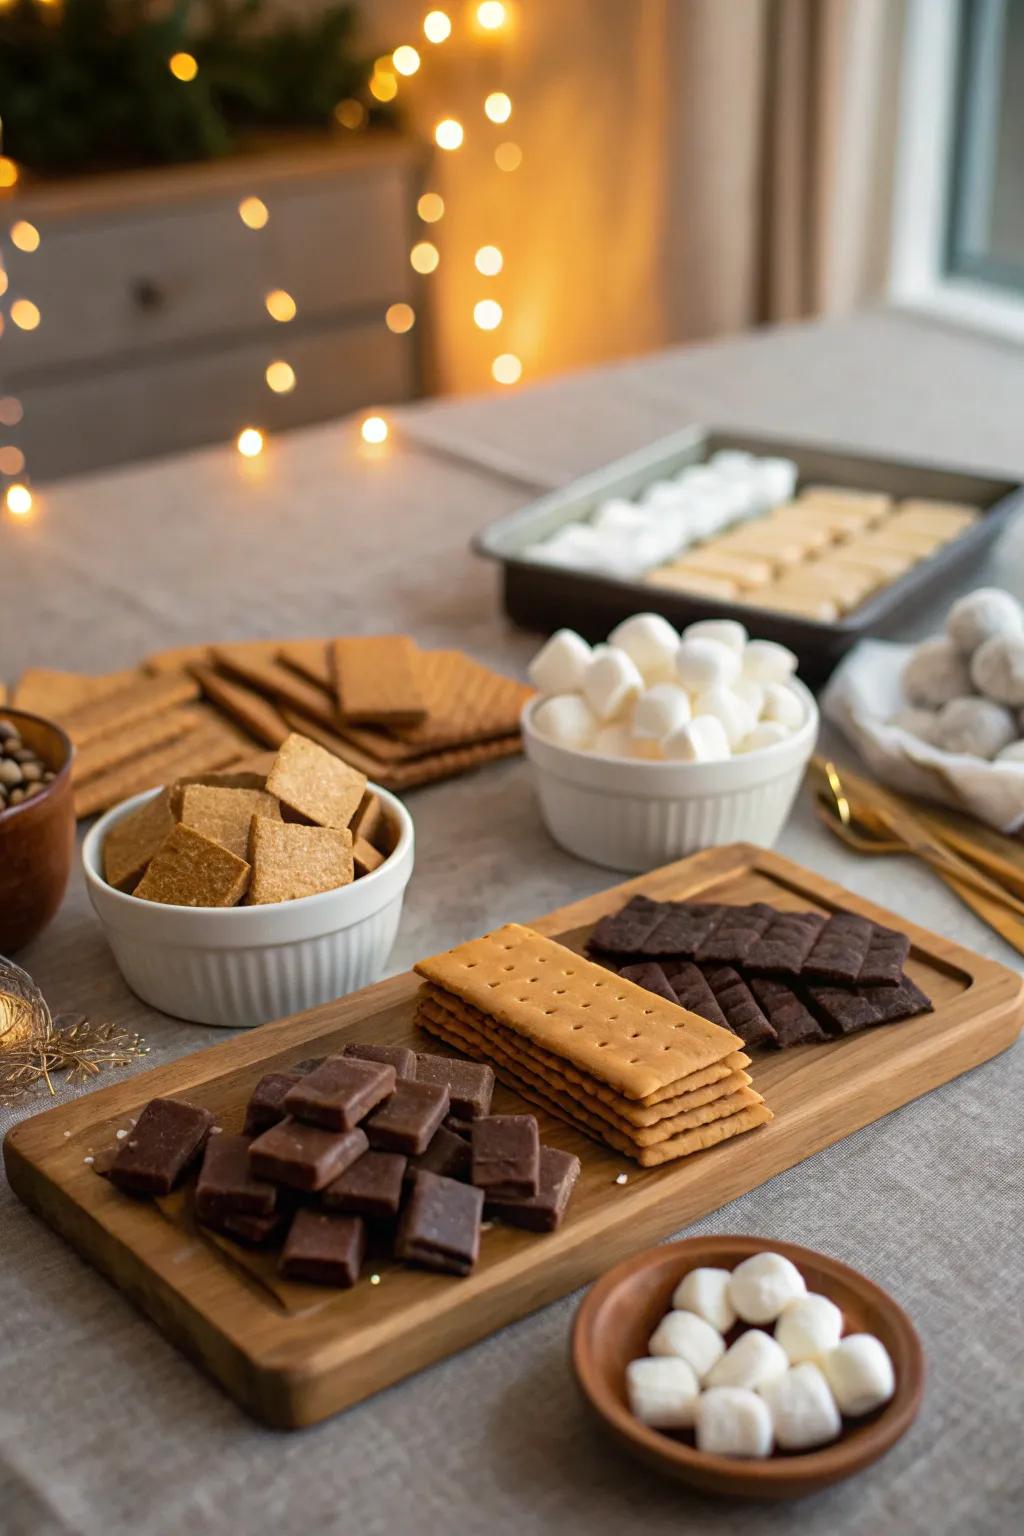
{"points": [[225, 814], [234, 778], [376, 679], [466, 701], [210, 746], [191, 870], [268, 677], [426, 769], [610, 1027], [310, 659], [290, 860], [124, 745], [132, 841], [368, 821], [54, 693], [314, 783], [178, 658], [259, 718], [115, 712], [367, 857]]}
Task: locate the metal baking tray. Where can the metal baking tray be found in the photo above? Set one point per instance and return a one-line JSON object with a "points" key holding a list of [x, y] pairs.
{"points": [[544, 598]]}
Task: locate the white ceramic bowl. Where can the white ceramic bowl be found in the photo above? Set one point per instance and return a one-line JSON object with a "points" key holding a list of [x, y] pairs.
{"points": [[630, 814], [240, 966]]}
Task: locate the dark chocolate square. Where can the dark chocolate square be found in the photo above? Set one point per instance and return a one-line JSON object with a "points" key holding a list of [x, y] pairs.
{"points": [[470, 1084], [886, 955], [398, 1056], [843, 1009], [340, 1092], [304, 1156], [690, 989], [408, 1119], [649, 975], [784, 945], [734, 935], [743, 1014], [324, 1249], [786, 1012], [625, 932], [447, 1155], [891, 1004], [166, 1139], [543, 1211], [839, 950], [371, 1186], [249, 1230], [684, 927], [440, 1225], [226, 1183], [266, 1106], [505, 1153]]}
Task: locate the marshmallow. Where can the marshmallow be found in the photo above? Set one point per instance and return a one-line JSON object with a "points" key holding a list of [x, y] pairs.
{"points": [[767, 734], [689, 1336], [566, 719], [860, 1374], [613, 740], [737, 719], [704, 664], [761, 1286], [728, 632], [782, 705], [659, 711], [733, 461], [648, 640], [776, 480], [662, 493], [751, 693], [559, 665], [616, 512], [702, 740], [803, 1410], [768, 662], [753, 1361], [662, 1392], [731, 1421], [808, 1327], [610, 682], [706, 1292]]}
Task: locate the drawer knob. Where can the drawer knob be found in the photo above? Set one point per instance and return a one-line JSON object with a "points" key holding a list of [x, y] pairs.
{"points": [[148, 295]]}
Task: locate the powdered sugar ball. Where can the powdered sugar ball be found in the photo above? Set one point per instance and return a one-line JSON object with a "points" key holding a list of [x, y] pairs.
{"points": [[980, 615], [922, 723], [997, 669], [975, 726], [936, 673]]}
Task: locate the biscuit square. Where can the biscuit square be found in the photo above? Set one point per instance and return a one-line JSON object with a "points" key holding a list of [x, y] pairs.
{"points": [[290, 860], [131, 842], [314, 783], [190, 870], [225, 814], [366, 856]]}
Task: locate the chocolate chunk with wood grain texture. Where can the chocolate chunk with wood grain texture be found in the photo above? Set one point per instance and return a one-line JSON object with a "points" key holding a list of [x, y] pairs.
{"points": [[166, 1139]]}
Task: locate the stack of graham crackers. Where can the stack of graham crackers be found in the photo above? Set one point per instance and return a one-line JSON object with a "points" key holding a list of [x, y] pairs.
{"points": [[402, 715], [636, 1071]]}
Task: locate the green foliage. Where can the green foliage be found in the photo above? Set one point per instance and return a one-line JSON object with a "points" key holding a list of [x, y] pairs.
{"points": [[86, 84]]}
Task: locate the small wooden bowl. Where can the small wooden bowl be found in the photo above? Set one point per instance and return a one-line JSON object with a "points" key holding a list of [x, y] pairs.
{"points": [[620, 1312], [37, 838]]}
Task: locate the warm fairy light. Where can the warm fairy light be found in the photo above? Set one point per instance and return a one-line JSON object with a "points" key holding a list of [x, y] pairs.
{"points": [[448, 134], [25, 314], [436, 26], [12, 460], [183, 66], [488, 314], [491, 15], [488, 261], [374, 430], [350, 113], [280, 305], [18, 500], [3, 281], [430, 207], [10, 411], [253, 212], [400, 318], [383, 85], [406, 60], [508, 156], [498, 107], [424, 257], [25, 236], [506, 369], [8, 172], [250, 442], [280, 377]]}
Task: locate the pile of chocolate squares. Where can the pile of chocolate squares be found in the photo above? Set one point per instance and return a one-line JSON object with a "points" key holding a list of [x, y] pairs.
{"points": [[773, 977], [378, 1144]]}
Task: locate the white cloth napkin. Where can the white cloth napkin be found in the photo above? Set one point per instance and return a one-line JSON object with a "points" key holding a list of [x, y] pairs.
{"points": [[864, 692]]}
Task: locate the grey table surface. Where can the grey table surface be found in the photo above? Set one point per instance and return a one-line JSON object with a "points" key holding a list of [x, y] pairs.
{"points": [[104, 1427]]}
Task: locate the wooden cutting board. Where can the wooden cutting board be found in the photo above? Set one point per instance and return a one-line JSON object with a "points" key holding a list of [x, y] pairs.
{"points": [[292, 1365]]}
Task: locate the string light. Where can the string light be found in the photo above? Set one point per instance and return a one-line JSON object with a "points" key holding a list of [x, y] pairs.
{"points": [[383, 84], [10, 411], [374, 430], [508, 156], [280, 377], [253, 212], [350, 113], [3, 281], [12, 460], [436, 26], [488, 314], [491, 15], [506, 368], [488, 261], [430, 207], [498, 107], [400, 318], [406, 60], [424, 257], [250, 442], [8, 172], [18, 500], [280, 305], [25, 236], [183, 66], [448, 134], [25, 314]]}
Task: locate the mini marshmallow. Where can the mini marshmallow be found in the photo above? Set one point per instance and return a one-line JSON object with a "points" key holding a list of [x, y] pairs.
{"points": [[860, 1374], [976, 726], [610, 682], [731, 1421], [662, 1392], [704, 664], [649, 641], [768, 662], [809, 1326], [559, 665], [776, 480], [768, 733], [997, 669], [935, 673], [751, 693], [803, 1410], [732, 461], [761, 1286], [981, 614], [689, 1336], [728, 632], [566, 719], [736, 717], [617, 512], [753, 1361], [659, 711], [662, 493], [702, 740], [613, 740], [705, 1291], [782, 704]]}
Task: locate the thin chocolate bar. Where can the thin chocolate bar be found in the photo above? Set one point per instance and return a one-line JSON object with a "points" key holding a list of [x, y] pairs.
{"points": [[886, 954], [690, 990], [266, 1107], [785, 944], [786, 1012], [226, 1183], [738, 929], [340, 1092], [742, 1012], [904, 1001], [242, 1227], [440, 1225], [505, 1155], [844, 1009], [408, 1119], [447, 1155], [649, 974], [372, 1186], [625, 932], [398, 1056], [304, 1156], [839, 950], [324, 1249], [167, 1138], [684, 927], [470, 1084], [543, 1211]]}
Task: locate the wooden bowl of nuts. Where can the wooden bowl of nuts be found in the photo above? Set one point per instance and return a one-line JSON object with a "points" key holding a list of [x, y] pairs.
{"points": [[37, 824]]}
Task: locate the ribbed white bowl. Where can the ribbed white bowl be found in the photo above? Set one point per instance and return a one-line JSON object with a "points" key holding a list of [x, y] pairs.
{"points": [[633, 815], [240, 966]]}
